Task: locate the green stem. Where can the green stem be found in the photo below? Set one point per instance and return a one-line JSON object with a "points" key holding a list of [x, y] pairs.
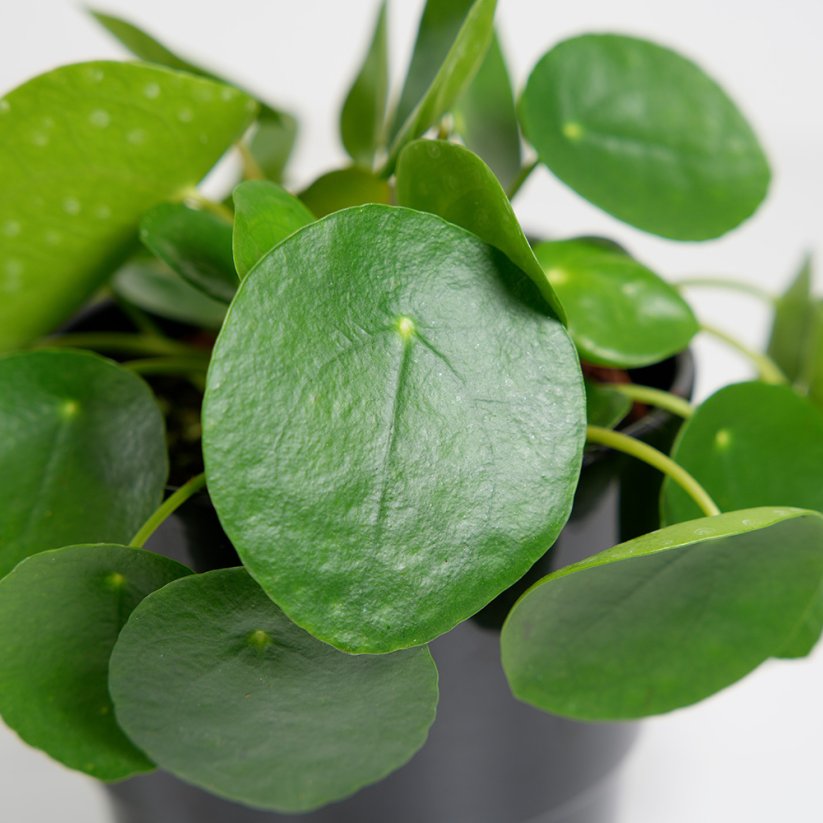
{"points": [[143, 323], [767, 369], [167, 508], [122, 343], [728, 284], [656, 459], [522, 177], [168, 365], [206, 204], [251, 168], [653, 397]]}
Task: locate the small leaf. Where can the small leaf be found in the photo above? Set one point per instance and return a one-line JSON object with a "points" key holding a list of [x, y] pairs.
{"points": [[111, 140], [364, 110], [272, 141], [486, 118], [666, 619], [152, 286], [605, 407], [454, 74], [215, 684], [448, 180], [343, 188], [619, 312], [83, 452], [406, 482], [60, 614], [812, 378], [264, 214], [195, 244], [644, 134]]}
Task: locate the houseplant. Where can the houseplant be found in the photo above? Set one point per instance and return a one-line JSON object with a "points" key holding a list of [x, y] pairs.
{"points": [[372, 243]]}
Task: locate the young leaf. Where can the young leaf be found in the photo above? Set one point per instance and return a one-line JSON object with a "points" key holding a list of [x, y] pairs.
{"points": [[364, 110], [644, 134], [113, 140], [152, 286], [220, 689], [82, 449], [264, 214], [666, 619], [195, 244], [791, 339], [619, 312], [605, 407], [456, 71], [272, 141], [60, 614], [411, 425], [343, 188], [486, 118], [452, 182]]}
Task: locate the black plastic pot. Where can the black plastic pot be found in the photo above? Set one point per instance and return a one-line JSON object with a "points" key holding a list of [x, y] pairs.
{"points": [[489, 758]]}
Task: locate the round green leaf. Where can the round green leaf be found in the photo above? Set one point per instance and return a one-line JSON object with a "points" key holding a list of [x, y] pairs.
{"points": [[619, 312], [405, 439], [83, 452], [195, 244], [60, 614], [452, 182], [221, 689], [342, 188], [264, 214], [666, 619], [644, 134], [89, 148]]}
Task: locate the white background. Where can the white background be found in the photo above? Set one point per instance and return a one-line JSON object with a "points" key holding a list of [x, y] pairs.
{"points": [[752, 753]]}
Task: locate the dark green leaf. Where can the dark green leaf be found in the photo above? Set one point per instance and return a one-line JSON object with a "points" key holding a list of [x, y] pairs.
{"points": [[619, 312], [82, 449], [448, 180], [666, 619], [644, 134], [343, 188], [605, 407], [364, 110], [264, 214], [60, 614], [486, 117], [812, 378], [221, 689], [404, 440], [454, 74], [88, 149], [196, 244], [154, 287], [792, 327]]}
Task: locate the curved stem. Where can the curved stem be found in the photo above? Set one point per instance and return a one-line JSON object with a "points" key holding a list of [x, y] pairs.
{"points": [[767, 369], [653, 397], [167, 508], [727, 283], [207, 204], [656, 459], [522, 177], [168, 365], [121, 342], [251, 168]]}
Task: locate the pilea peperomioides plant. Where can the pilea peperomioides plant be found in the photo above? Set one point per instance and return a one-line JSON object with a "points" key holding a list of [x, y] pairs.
{"points": [[394, 413]]}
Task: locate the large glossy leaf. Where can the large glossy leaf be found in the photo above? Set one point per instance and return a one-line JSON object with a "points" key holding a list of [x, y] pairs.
{"points": [[264, 214], [342, 188], [220, 688], [82, 449], [666, 619], [452, 182], [454, 73], [404, 440], [644, 134], [486, 118], [364, 109], [619, 312], [196, 244], [88, 149], [60, 614]]}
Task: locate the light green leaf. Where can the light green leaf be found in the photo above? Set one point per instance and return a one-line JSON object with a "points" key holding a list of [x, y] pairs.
{"points": [[605, 407], [792, 326], [264, 214], [644, 134], [452, 182], [364, 110], [404, 483], [89, 148], [272, 141], [212, 680], [666, 619], [60, 614], [83, 452], [343, 188], [619, 312], [195, 244]]}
